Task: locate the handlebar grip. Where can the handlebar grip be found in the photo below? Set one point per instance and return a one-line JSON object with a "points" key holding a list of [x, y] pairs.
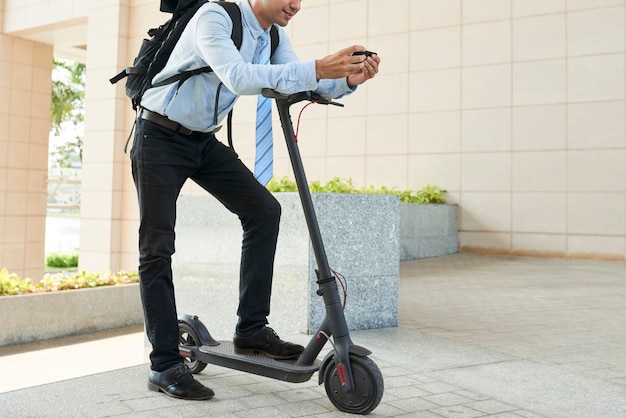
{"points": [[273, 94]]}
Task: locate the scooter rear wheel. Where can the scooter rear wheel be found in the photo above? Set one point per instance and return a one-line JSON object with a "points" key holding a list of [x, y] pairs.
{"points": [[189, 337], [368, 391]]}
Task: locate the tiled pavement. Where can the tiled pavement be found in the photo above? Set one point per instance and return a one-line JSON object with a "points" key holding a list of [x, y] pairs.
{"points": [[478, 337]]}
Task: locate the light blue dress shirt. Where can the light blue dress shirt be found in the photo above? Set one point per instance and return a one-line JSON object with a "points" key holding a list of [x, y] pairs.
{"points": [[206, 41]]}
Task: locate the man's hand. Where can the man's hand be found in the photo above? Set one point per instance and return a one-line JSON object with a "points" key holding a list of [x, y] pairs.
{"points": [[358, 68], [369, 70]]}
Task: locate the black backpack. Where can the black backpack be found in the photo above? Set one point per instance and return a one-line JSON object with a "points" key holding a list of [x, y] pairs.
{"points": [[155, 52]]}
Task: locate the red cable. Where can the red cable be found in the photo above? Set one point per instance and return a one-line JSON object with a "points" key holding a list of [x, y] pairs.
{"points": [[299, 116], [343, 287]]}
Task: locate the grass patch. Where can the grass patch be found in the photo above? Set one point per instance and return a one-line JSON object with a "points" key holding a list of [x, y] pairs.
{"points": [[62, 261]]}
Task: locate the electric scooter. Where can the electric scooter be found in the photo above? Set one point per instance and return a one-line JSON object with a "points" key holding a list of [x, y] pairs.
{"points": [[353, 382]]}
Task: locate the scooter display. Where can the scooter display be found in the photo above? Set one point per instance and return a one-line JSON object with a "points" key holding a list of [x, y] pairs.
{"points": [[353, 382]]}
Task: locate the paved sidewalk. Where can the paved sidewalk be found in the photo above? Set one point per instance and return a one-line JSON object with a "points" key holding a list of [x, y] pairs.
{"points": [[478, 337]]}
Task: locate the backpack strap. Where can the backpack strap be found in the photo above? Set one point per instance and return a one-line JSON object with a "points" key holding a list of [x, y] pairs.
{"points": [[274, 39], [235, 15]]}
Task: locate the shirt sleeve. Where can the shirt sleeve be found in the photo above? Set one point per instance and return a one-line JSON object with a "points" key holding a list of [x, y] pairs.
{"points": [[286, 75], [238, 74]]}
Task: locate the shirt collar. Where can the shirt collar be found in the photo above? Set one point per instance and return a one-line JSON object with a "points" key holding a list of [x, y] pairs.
{"points": [[250, 20]]}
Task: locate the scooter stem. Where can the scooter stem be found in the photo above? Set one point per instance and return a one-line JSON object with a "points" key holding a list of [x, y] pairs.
{"points": [[334, 322], [303, 191]]}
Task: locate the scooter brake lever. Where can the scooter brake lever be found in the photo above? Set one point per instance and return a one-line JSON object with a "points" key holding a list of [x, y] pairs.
{"points": [[318, 98]]}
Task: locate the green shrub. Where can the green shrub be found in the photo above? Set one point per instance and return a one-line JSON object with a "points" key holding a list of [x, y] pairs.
{"points": [[281, 185], [55, 260], [428, 194], [334, 185], [11, 284]]}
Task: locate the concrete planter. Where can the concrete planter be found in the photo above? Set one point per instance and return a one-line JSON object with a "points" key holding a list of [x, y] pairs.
{"points": [[361, 236], [41, 316], [428, 230], [366, 236]]}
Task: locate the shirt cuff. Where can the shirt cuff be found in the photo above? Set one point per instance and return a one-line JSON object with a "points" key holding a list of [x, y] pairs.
{"points": [[309, 79]]}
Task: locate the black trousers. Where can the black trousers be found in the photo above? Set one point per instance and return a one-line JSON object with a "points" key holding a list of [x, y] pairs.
{"points": [[162, 161]]}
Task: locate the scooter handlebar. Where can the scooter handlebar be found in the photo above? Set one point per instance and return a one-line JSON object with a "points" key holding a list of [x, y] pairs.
{"points": [[290, 99]]}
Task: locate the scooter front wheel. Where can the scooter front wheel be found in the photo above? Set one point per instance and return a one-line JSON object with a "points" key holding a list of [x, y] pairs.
{"points": [[368, 386], [189, 337]]}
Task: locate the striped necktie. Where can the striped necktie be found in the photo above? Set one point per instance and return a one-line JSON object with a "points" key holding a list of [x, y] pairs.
{"points": [[263, 163]]}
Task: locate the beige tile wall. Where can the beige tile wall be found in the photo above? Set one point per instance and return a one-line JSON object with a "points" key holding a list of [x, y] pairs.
{"points": [[516, 107]]}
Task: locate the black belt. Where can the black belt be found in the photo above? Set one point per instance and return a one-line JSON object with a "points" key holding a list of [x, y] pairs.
{"points": [[170, 124]]}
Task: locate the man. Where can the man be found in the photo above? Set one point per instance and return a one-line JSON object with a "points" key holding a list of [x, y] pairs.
{"points": [[175, 141]]}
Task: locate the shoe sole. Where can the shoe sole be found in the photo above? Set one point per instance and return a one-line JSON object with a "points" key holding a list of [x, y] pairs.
{"points": [[252, 351], [156, 388]]}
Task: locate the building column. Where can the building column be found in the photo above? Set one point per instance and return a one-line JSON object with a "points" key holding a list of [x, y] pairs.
{"points": [[26, 88], [108, 203]]}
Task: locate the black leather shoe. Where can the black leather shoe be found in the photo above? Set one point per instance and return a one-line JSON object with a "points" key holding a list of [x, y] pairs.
{"points": [[178, 382], [266, 341]]}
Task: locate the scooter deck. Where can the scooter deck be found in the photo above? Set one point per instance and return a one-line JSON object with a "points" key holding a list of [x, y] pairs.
{"points": [[287, 370]]}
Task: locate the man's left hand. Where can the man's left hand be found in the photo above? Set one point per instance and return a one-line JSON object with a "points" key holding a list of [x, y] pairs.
{"points": [[368, 70]]}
